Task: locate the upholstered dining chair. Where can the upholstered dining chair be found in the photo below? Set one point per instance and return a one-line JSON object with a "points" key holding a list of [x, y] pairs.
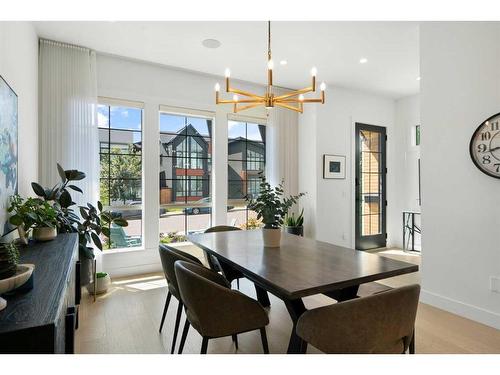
{"points": [[169, 255], [230, 273], [214, 309], [382, 323]]}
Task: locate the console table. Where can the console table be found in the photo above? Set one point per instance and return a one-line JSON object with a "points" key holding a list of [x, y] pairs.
{"points": [[44, 319]]}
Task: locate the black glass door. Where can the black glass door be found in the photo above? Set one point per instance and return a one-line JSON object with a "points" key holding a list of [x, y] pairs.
{"points": [[370, 187]]}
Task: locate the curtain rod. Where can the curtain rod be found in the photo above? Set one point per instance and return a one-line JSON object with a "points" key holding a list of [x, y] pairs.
{"points": [[63, 44]]}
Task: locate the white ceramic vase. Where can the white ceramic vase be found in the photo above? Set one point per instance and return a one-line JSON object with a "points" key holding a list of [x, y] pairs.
{"points": [[102, 285], [271, 237], [44, 233]]}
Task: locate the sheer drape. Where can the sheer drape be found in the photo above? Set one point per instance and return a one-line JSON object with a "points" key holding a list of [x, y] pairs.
{"points": [[282, 148], [68, 116]]}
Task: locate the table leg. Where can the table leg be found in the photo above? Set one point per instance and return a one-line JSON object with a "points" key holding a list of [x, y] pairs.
{"points": [[295, 308], [262, 296], [345, 294]]}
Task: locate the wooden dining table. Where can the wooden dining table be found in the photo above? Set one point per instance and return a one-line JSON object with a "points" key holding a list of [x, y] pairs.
{"points": [[300, 267]]}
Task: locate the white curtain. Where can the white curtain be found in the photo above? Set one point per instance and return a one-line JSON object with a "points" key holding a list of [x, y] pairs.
{"points": [[282, 147], [68, 116]]}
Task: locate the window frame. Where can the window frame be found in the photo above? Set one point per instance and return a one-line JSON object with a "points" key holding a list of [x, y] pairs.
{"points": [[124, 103], [190, 181], [245, 161]]}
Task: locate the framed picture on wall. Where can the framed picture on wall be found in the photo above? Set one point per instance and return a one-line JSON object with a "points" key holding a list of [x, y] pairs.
{"points": [[334, 166], [8, 151]]}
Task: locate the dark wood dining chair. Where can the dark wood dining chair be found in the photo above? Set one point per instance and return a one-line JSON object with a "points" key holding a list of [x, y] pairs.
{"points": [[169, 255], [214, 309], [382, 323]]}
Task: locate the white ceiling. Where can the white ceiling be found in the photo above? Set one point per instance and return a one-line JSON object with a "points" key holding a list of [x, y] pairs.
{"points": [[335, 48]]}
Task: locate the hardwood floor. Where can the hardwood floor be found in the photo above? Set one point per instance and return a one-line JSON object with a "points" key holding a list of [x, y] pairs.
{"points": [[127, 318]]}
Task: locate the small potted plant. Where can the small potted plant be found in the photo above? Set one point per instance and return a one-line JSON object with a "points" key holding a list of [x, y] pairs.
{"points": [[295, 225], [103, 281], [36, 214], [271, 207], [9, 257]]}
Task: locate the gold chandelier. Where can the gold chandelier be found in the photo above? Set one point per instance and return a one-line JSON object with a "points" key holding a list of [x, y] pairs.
{"points": [[293, 100]]}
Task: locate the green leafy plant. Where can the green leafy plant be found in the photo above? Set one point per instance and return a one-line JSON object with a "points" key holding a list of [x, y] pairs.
{"points": [[171, 238], [271, 205], [31, 213], [9, 258], [292, 221], [92, 222], [100, 275]]}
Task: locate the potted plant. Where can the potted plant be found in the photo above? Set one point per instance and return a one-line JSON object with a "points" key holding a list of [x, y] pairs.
{"points": [[9, 258], [92, 223], [36, 214], [271, 207], [103, 281], [295, 225]]}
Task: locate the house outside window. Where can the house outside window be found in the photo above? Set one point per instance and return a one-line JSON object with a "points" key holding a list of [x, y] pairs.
{"points": [[246, 163], [185, 174]]}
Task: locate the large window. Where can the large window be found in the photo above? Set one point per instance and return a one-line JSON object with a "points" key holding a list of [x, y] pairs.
{"points": [[246, 163], [185, 175], [120, 139]]}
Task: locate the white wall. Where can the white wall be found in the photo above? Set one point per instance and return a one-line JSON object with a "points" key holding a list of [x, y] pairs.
{"points": [[405, 165], [460, 88], [156, 85], [330, 129], [19, 67]]}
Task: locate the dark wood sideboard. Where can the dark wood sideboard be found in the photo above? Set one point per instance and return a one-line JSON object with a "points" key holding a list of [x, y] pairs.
{"points": [[44, 319]]}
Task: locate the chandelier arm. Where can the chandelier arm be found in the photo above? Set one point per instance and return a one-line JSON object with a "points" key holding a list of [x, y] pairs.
{"points": [[296, 109], [244, 93], [296, 100], [236, 109], [294, 93]]}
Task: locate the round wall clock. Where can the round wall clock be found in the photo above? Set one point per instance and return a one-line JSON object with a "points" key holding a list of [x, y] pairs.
{"points": [[485, 146]]}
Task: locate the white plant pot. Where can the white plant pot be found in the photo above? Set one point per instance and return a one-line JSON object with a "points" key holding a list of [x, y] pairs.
{"points": [[44, 233], [271, 237], [102, 285]]}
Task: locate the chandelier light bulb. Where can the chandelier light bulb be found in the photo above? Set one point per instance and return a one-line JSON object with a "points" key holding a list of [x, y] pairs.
{"points": [[270, 65], [235, 98], [314, 71], [227, 73], [301, 97], [217, 87], [322, 86]]}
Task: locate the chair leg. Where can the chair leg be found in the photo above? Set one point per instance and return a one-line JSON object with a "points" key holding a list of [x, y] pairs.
{"points": [[235, 340], [184, 335], [412, 343], [263, 336], [176, 329], [204, 345], [238, 283], [167, 302]]}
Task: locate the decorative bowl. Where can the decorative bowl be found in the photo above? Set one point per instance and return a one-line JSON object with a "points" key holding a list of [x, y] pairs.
{"points": [[22, 275]]}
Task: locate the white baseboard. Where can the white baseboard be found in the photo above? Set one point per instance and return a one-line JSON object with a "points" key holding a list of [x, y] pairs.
{"points": [[487, 317], [134, 270]]}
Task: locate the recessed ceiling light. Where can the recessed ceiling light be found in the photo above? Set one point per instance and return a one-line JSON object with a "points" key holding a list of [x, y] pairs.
{"points": [[363, 60], [211, 43], [418, 78], [283, 62]]}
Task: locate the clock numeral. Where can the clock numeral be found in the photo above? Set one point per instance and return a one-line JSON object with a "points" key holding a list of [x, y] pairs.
{"points": [[497, 167], [485, 136], [494, 126], [481, 147], [486, 159]]}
